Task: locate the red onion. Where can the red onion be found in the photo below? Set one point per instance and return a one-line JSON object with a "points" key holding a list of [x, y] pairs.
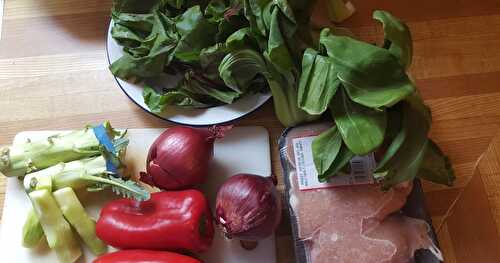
{"points": [[248, 207], [179, 158]]}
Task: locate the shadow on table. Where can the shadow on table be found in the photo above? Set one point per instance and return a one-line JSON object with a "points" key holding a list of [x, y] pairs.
{"points": [[86, 20]]}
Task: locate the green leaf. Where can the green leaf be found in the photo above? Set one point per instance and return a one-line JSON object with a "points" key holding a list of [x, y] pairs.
{"points": [[132, 6], [254, 12], [196, 33], [397, 37], [158, 102], [341, 160], [318, 83], [154, 62], [325, 148], [362, 128], [201, 86], [436, 167], [139, 23], [409, 157], [238, 69], [371, 75], [125, 37], [215, 10], [397, 134], [277, 49], [241, 39]]}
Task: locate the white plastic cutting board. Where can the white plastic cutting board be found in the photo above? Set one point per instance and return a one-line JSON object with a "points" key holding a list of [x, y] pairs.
{"points": [[244, 149]]}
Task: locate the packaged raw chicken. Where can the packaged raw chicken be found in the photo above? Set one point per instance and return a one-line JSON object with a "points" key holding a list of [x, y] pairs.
{"points": [[349, 218]]}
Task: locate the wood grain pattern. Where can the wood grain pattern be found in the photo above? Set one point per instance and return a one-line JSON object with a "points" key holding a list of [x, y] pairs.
{"points": [[53, 75], [1, 16]]}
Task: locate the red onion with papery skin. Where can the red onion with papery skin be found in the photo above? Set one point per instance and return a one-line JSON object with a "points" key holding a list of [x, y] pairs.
{"points": [[248, 207], [179, 158]]}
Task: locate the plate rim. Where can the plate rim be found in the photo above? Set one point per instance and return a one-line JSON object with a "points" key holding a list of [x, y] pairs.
{"points": [[165, 118]]}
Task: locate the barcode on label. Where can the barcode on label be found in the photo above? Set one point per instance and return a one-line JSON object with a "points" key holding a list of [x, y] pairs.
{"points": [[361, 168]]}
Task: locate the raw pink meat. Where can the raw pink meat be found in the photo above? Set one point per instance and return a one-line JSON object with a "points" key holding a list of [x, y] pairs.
{"points": [[353, 224]]}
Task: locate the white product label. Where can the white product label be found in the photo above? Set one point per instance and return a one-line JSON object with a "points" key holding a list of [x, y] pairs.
{"points": [[361, 168]]}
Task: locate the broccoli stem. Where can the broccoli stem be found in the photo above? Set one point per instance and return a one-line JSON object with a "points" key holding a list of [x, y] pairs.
{"points": [[67, 174], [20, 159], [77, 175], [32, 230], [57, 230], [76, 215]]}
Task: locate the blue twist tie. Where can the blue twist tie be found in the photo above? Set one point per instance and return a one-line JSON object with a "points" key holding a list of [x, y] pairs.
{"points": [[102, 136]]}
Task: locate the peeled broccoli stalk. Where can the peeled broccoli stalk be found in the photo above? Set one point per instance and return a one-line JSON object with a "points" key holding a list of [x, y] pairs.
{"points": [[33, 155], [32, 230], [67, 174], [59, 235], [89, 173], [338, 10], [76, 215]]}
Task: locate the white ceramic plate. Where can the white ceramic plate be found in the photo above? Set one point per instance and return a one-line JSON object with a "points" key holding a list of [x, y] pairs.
{"points": [[197, 117]]}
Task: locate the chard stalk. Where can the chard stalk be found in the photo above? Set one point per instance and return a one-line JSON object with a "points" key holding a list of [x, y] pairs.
{"points": [[285, 100], [57, 230]]}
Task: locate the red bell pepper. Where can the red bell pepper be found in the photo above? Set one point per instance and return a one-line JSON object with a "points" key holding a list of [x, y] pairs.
{"points": [[177, 220], [141, 256]]}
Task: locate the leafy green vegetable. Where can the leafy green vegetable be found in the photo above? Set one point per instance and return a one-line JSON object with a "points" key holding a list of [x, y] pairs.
{"points": [[362, 128], [436, 167], [395, 133], [374, 104], [327, 146], [406, 162], [157, 102], [207, 43], [372, 76], [397, 37], [318, 82], [341, 160], [238, 69], [195, 31]]}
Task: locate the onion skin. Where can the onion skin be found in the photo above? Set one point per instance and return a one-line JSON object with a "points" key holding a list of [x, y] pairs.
{"points": [[179, 158], [248, 207]]}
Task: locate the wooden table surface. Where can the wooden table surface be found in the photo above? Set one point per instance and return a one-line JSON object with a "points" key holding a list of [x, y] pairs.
{"points": [[53, 75]]}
